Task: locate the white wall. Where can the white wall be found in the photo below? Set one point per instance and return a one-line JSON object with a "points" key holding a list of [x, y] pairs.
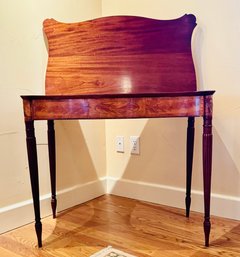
{"points": [[23, 59], [160, 168]]}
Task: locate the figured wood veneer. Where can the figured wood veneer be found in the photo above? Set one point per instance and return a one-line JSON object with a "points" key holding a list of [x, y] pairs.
{"points": [[114, 68], [107, 107], [120, 55]]}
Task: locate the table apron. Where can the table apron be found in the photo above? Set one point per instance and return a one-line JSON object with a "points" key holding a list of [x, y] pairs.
{"points": [[113, 108]]}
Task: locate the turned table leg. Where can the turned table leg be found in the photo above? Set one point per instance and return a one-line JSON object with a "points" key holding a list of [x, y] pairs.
{"points": [[190, 146], [207, 165], [52, 164], [33, 169]]}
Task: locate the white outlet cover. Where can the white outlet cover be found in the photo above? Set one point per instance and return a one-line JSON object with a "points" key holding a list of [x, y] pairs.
{"points": [[119, 144], [135, 144]]}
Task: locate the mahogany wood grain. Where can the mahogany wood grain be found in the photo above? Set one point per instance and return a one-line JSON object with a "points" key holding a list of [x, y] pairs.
{"points": [[114, 108], [114, 68], [120, 54], [207, 164]]}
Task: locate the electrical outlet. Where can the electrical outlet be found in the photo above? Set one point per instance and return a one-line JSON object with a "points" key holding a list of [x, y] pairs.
{"points": [[119, 144], [134, 144]]}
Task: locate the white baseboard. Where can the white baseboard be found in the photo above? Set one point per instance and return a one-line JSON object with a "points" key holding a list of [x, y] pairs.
{"points": [[66, 198], [221, 205]]}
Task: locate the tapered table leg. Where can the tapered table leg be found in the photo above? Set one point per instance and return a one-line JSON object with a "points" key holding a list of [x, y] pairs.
{"points": [[33, 169], [190, 146], [52, 164], [207, 165]]}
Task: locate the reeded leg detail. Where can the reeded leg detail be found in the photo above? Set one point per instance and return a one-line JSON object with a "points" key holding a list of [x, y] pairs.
{"points": [[52, 164], [33, 169], [207, 165], [190, 146]]}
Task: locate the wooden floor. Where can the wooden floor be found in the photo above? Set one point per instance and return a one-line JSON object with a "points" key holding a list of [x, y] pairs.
{"points": [[136, 227]]}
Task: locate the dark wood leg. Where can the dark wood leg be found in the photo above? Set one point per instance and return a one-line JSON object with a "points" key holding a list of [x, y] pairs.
{"points": [[207, 166], [190, 146], [52, 164], [33, 169]]}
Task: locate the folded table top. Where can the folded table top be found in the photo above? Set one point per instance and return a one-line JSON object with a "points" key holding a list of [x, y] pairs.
{"points": [[120, 55]]}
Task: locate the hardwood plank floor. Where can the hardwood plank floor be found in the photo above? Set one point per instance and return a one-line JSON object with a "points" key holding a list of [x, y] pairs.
{"points": [[139, 228]]}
